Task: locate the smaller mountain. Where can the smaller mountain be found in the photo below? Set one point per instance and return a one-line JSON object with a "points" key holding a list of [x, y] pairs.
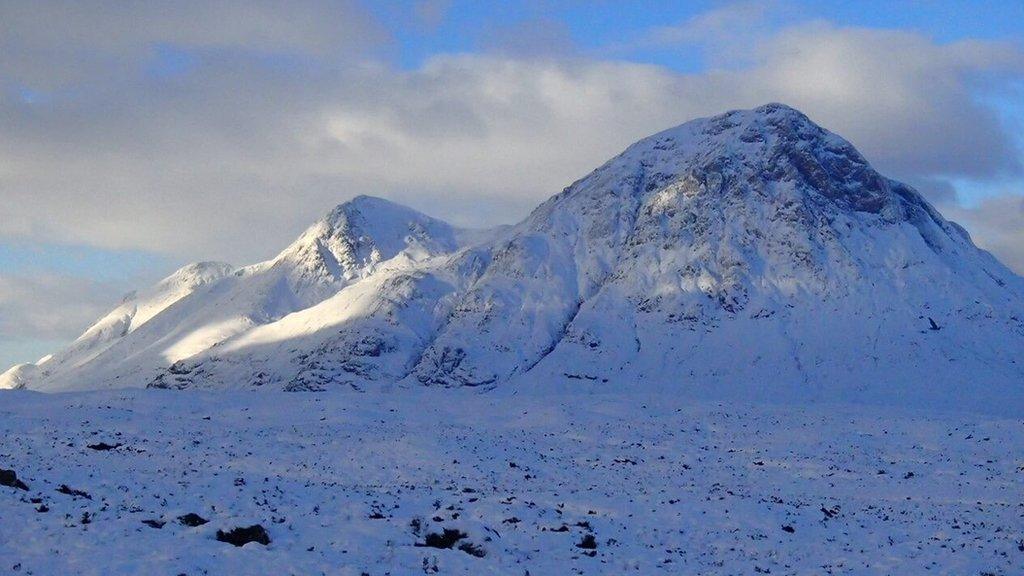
{"points": [[204, 304], [136, 309]]}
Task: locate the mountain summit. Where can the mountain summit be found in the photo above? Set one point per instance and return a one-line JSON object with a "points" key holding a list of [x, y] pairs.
{"points": [[751, 255]]}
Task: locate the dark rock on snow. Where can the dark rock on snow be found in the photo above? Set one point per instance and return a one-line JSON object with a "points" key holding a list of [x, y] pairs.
{"points": [[9, 478], [65, 489], [192, 519], [103, 446], [242, 536]]}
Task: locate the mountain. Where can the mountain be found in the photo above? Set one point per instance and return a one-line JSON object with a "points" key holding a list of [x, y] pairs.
{"points": [[202, 305], [752, 255], [135, 310]]}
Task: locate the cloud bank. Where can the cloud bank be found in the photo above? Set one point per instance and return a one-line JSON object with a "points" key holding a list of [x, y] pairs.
{"points": [[204, 162]]}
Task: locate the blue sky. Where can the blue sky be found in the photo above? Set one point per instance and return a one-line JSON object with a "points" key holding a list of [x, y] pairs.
{"points": [[592, 26], [140, 138]]}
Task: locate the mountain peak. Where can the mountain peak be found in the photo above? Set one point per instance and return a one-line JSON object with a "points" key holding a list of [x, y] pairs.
{"points": [[198, 273], [364, 231], [772, 149], [755, 128], [364, 203], [744, 133], [777, 109]]}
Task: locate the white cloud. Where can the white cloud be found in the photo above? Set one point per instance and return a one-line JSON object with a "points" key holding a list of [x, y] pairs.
{"points": [[727, 34], [232, 159]]}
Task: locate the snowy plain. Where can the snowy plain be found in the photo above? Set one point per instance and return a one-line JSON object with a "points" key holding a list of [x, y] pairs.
{"points": [[349, 483]]}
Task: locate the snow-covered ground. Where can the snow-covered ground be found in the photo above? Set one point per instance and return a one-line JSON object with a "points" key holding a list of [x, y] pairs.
{"points": [[349, 483]]}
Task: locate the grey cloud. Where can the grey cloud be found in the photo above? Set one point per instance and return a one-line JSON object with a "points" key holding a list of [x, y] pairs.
{"points": [[937, 191], [716, 32], [51, 306], [996, 224], [48, 44], [911, 104]]}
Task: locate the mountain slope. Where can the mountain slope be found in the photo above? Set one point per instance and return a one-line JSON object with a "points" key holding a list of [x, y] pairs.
{"points": [[752, 254], [134, 311]]}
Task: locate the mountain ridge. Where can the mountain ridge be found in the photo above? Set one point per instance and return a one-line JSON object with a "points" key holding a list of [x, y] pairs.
{"points": [[752, 253]]}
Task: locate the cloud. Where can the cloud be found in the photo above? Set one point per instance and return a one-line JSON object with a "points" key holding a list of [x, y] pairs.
{"points": [[269, 126], [231, 160], [715, 32], [996, 224], [916, 114], [52, 44], [41, 311], [51, 306]]}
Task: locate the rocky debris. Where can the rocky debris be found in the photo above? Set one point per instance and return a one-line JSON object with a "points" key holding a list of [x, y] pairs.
{"points": [[472, 549], [241, 536], [830, 512], [588, 542], [450, 538], [192, 520], [445, 539], [158, 524], [103, 446], [65, 489], [9, 478]]}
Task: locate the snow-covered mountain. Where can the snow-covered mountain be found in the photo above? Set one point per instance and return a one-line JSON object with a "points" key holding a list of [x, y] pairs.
{"points": [[202, 305], [752, 254]]}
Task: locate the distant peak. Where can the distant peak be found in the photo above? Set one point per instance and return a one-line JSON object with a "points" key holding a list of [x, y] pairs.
{"points": [[203, 269], [204, 266], [367, 200], [364, 205], [366, 230], [194, 275]]}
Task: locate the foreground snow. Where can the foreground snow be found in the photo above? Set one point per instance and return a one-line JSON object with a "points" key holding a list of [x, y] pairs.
{"points": [[341, 482]]}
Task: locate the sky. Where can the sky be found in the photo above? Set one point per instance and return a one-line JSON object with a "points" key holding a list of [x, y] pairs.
{"points": [[136, 137]]}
